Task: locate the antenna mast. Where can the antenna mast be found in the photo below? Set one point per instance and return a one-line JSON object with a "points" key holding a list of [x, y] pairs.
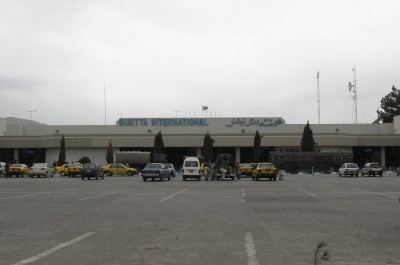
{"points": [[105, 105], [318, 99], [353, 88]]}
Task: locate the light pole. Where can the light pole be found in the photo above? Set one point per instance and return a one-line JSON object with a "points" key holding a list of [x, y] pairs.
{"points": [[30, 117], [353, 88]]}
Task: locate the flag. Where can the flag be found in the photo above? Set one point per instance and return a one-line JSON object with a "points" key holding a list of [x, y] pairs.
{"points": [[203, 108]]}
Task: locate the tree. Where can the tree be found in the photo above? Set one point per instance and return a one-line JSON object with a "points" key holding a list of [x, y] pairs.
{"points": [[84, 160], [109, 153], [257, 147], [307, 141], [61, 156], [390, 105], [208, 147], [158, 144]]}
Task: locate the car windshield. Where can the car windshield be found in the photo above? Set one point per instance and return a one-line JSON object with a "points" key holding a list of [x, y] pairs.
{"points": [[168, 165], [16, 165], [265, 165], [39, 165], [148, 166], [89, 166], [352, 166], [191, 164], [375, 166]]}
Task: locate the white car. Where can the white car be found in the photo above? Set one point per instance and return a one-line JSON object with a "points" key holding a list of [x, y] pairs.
{"points": [[349, 169], [191, 168], [41, 169], [2, 168]]}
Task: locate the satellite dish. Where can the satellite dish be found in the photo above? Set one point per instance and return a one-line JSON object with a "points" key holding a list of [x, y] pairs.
{"points": [[350, 86]]}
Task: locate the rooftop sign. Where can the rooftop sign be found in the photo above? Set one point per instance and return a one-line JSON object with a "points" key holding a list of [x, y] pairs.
{"points": [[193, 122]]}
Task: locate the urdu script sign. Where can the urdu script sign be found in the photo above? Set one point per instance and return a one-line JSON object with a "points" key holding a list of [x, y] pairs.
{"points": [[193, 122]]}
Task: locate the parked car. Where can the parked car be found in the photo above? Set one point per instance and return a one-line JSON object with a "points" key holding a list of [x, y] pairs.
{"points": [[40, 170], [246, 169], [74, 170], [2, 168], [265, 170], [92, 170], [373, 169], [349, 169], [62, 170], [18, 170], [155, 171], [171, 169], [118, 169], [191, 168]]}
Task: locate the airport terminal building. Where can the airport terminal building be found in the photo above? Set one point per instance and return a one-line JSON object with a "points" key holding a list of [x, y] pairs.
{"points": [[378, 142]]}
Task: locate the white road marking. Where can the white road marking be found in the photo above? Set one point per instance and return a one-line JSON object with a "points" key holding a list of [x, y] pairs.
{"points": [[54, 249], [101, 195], [243, 199], [377, 193], [309, 193], [31, 194], [250, 249], [173, 195]]}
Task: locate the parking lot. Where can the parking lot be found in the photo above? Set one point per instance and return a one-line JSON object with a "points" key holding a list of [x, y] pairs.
{"points": [[123, 220]]}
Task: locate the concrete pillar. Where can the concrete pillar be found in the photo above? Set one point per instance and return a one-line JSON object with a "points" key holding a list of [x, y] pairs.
{"points": [[16, 154], [383, 156], [198, 152], [237, 154]]}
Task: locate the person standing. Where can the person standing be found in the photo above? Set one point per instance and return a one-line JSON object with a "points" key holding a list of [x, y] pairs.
{"points": [[206, 170], [237, 170], [212, 170]]}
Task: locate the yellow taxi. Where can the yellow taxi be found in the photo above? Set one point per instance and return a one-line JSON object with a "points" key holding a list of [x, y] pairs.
{"points": [[18, 170], [246, 169], [74, 169], [62, 170], [118, 169], [265, 170]]}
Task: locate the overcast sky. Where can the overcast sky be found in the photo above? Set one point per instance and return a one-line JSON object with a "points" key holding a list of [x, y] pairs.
{"points": [[169, 58]]}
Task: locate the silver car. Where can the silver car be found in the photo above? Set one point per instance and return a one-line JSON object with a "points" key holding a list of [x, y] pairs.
{"points": [[41, 169], [349, 169]]}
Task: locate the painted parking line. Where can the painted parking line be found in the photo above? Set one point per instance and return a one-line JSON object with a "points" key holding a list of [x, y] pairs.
{"points": [[309, 193], [377, 193], [173, 195], [54, 249], [32, 194], [250, 249], [101, 195]]}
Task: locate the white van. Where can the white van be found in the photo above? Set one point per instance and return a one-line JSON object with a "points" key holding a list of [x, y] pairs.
{"points": [[191, 168]]}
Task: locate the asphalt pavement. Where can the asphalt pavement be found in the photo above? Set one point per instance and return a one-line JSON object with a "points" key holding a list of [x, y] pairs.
{"points": [[123, 220]]}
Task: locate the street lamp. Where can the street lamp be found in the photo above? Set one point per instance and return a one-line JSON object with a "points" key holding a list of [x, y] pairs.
{"points": [[30, 118]]}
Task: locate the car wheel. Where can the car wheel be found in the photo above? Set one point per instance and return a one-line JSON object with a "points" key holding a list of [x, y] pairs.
{"points": [[130, 173], [169, 178], [152, 179], [274, 178], [162, 178], [83, 178], [257, 178], [62, 174]]}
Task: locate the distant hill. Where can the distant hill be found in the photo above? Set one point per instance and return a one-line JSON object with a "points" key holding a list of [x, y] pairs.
{"points": [[18, 121]]}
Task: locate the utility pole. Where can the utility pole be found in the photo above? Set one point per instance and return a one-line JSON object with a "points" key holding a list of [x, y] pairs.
{"points": [[318, 99], [353, 88], [30, 117]]}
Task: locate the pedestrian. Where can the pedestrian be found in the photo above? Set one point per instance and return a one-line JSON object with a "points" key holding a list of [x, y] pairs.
{"points": [[206, 170], [6, 169], [212, 170], [237, 170]]}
